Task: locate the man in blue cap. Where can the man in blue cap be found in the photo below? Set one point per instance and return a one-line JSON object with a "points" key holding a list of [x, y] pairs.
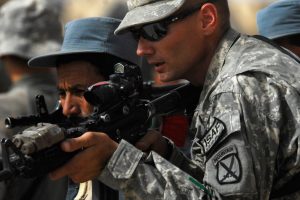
{"points": [[87, 56], [280, 22], [246, 125]]}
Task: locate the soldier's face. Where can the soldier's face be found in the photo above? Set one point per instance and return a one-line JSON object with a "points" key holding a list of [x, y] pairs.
{"points": [[184, 52], [73, 79]]}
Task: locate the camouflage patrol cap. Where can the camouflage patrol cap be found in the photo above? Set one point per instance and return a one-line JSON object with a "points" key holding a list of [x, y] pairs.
{"points": [[92, 35], [29, 28], [148, 11], [279, 19]]}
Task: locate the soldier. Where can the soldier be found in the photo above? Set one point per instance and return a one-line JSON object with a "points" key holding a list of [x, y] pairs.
{"points": [[87, 56], [24, 34], [280, 22], [246, 125]]}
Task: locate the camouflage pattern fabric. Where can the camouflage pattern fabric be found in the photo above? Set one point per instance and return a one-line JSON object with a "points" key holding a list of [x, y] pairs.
{"points": [[247, 128], [25, 28], [147, 11], [20, 101]]}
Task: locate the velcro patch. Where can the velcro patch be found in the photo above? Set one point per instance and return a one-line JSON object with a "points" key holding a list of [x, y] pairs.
{"points": [[228, 165], [212, 135]]}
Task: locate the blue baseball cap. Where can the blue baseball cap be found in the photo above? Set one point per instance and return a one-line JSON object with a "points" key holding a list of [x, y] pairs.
{"points": [[279, 19], [91, 35]]}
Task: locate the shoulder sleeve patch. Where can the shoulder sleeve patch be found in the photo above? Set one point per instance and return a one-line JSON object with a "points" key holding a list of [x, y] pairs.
{"points": [[216, 130], [228, 165]]}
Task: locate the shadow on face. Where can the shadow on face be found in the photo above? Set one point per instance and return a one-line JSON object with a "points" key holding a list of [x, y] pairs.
{"points": [[73, 79]]}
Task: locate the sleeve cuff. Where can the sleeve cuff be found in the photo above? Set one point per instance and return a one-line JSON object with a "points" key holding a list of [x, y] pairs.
{"points": [[124, 161]]}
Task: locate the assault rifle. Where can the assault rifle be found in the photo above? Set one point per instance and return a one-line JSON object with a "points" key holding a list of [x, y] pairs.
{"points": [[120, 110]]}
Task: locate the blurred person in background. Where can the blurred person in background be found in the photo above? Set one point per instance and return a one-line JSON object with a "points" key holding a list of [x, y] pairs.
{"points": [[87, 56], [280, 22], [28, 28]]}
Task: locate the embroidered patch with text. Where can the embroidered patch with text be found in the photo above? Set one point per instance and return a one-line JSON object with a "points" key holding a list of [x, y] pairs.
{"points": [[215, 131], [228, 165]]}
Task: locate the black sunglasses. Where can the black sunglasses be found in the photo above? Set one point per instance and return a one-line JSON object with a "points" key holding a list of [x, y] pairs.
{"points": [[158, 30]]}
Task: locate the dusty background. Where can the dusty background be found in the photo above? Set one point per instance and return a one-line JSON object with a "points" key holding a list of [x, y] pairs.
{"points": [[243, 12]]}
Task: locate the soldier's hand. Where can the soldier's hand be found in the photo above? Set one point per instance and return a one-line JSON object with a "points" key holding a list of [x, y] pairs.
{"points": [[153, 141], [97, 149]]}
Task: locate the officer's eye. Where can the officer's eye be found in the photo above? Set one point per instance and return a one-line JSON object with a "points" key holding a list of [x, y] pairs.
{"points": [[77, 92], [61, 93]]}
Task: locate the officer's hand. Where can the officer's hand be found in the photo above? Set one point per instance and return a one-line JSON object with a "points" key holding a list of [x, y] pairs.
{"points": [[153, 141], [87, 164]]}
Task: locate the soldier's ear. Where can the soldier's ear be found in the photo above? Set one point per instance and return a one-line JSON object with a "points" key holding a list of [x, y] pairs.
{"points": [[208, 17]]}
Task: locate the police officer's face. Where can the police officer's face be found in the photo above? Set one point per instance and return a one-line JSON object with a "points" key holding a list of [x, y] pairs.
{"points": [[73, 80], [185, 52]]}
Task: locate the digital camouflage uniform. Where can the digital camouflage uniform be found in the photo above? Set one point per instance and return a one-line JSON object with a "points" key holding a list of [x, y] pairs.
{"points": [[20, 101], [25, 33], [247, 128]]}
